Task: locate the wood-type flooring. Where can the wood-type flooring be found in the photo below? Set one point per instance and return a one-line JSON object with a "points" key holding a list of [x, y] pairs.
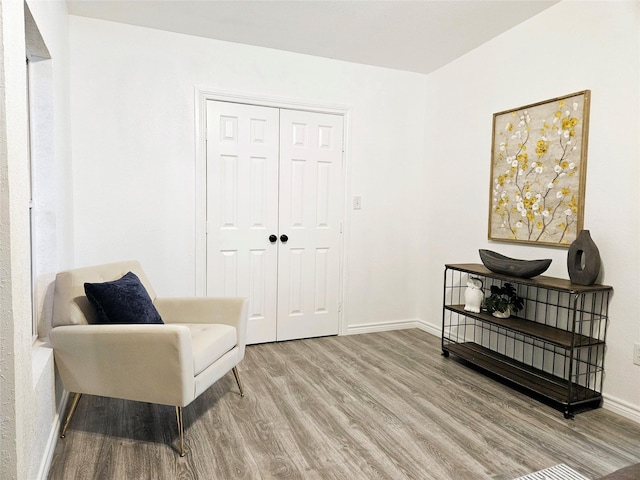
{"points": [[371, 406]]}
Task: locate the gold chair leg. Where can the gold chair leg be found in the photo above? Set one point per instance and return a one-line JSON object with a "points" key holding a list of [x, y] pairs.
{"points": [[235, 374], [72, 409], [180, 430]]}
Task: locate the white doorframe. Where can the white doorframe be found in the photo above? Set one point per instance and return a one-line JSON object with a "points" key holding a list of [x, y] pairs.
{"points": [[204, 94]]}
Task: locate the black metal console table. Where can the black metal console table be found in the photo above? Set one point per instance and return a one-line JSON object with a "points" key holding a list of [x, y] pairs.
{"points": [[554, 349]]}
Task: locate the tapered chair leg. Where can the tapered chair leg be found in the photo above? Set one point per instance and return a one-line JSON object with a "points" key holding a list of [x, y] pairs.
{"points": [[180, 430], [235, 374], [72, 409]]}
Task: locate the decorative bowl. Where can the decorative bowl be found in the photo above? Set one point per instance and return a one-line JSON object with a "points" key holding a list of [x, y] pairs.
{"points": [[510, 266]]}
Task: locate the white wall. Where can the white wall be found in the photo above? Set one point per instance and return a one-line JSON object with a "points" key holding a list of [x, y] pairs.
{"points": [[418, 155], [27, 397], [14, 305], [132, 110], [570, 47]]}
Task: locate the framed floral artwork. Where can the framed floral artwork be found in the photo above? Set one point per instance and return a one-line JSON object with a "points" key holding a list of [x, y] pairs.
{"points": [[538, 171]]}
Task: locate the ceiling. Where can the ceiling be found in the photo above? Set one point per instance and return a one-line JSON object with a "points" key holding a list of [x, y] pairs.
{"points": [[417, 36]]}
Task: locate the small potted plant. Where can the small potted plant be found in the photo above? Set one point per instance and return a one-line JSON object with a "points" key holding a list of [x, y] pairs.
{"points": [[503, 301]]}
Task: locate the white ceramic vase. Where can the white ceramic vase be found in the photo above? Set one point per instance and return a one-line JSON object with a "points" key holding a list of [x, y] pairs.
{"points": [[473, 295]]}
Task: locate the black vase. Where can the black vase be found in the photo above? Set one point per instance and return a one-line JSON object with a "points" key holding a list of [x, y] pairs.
{"points": [[583, 260]]}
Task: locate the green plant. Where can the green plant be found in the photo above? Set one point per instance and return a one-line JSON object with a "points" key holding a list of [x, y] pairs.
{"points": [[503, 298]]}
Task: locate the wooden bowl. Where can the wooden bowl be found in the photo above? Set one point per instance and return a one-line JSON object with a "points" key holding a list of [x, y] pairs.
{"points": [[510, 266]]}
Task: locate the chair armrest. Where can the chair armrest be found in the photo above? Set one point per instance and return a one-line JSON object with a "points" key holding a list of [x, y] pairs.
{"points": [[147, 363], [231, 311], [226, 310]]}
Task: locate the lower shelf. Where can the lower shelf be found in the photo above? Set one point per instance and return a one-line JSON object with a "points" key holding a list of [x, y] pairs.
{"points": [[529, 378]]}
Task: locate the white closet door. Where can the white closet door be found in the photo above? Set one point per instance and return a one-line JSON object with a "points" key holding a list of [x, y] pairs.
{"points": [[242, 210], [274, 203], [310, 216]]}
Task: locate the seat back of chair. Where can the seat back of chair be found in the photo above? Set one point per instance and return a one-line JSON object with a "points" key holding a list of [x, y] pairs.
{"points": [[70, 304]]}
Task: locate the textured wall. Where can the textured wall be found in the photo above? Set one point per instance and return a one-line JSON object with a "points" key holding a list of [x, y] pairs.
{"points": [[27, 396]]}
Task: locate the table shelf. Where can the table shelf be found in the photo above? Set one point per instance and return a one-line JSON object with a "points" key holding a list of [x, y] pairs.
{"points": [[556, 336], [554, 349]]}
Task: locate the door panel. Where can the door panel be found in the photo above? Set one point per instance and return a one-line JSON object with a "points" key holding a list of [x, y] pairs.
{"points": [[310, 215], [242, 209]]}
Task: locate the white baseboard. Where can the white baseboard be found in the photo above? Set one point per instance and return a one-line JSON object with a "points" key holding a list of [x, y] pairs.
{"points": [[52, 441], [627, 410], [381, 326], [431, 328]]}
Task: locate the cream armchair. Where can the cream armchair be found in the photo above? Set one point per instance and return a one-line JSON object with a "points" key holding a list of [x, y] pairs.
{"points": [[171, 363]]}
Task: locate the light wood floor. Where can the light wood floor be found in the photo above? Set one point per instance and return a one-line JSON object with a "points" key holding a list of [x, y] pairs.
{"points": [[372, 406]]}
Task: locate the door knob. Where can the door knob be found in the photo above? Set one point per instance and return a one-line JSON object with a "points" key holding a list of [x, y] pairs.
{"points": [[273, 238], [283, 238]]}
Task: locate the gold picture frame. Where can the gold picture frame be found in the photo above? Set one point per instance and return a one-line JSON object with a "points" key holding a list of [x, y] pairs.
{"points": [[538, 171]]}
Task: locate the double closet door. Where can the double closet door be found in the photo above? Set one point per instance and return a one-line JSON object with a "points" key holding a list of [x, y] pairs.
{"points": [[274, 210]]}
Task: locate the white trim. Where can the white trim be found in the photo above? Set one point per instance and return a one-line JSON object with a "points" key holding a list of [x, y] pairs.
{"points": [[381, 326], [432, 328], [204, 94], [200, 189], [41, 359], [625, 409], [52, 441], [270, 101]]}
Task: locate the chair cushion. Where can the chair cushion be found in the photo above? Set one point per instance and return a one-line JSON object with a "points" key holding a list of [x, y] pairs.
{"points": [[122, 301], [209, 342]]}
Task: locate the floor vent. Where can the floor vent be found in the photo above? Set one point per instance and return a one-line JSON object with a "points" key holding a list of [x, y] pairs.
{"points": [[559, 472]]}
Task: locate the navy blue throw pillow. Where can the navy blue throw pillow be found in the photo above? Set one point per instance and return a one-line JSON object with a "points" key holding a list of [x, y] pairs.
{"points": [[122, 301]]}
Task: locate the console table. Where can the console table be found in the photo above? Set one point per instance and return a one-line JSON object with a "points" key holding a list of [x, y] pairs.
{"points": [[553, 350]]}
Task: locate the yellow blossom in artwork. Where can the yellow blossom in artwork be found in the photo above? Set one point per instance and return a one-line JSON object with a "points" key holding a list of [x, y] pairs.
{"points": [[568, 123], [541, 147], [573, 204], [558, 114], [539, 225], [566, 191]]}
